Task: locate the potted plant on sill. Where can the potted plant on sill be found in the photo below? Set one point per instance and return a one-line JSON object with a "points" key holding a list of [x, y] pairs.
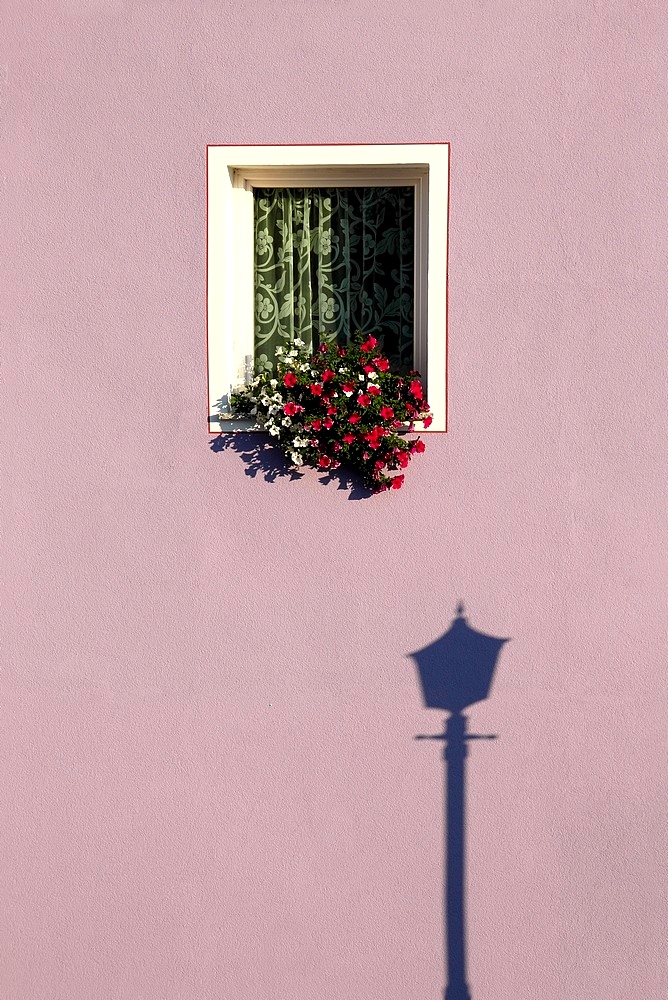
{"points": [[341, 405]]}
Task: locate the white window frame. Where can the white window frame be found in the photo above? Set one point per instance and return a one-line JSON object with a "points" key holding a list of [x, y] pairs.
{"points": [[233, 172]]}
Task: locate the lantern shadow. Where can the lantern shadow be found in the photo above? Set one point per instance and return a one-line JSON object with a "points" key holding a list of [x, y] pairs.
{"points": [[456, 671]]}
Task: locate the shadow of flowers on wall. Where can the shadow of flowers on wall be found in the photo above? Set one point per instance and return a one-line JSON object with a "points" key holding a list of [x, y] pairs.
{"points": [[262, 458]]}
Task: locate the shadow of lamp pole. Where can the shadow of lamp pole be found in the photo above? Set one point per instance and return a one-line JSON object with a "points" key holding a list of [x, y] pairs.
{"points": [[456, 671]]}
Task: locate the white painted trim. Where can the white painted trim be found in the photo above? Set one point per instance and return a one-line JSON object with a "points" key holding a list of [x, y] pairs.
{"points": [[233, 171]]}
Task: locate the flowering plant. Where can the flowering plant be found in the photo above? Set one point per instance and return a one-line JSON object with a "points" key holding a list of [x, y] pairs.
{"points": [[342, 404]]}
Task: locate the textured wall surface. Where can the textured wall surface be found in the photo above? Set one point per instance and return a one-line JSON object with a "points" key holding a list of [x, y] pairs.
{"points": [[210, 786]]}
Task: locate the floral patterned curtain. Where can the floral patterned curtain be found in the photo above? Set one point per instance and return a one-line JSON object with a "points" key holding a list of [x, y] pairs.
{"points": [[331, 261]]}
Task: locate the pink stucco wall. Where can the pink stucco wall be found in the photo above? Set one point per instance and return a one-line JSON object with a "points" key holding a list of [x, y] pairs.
{"points": [[210, 787]]}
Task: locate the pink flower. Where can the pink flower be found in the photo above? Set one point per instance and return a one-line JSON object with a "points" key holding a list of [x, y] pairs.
{"points": [[397, 482], [324, 461], [328, 422], [427, 421], [382, 364], [348, 438], [415, 389], [386, 412], [366, 456], [290, 379], [368, 344], [316, 389], [354, 418], [363, 399], [328, 375], [374, 390]]}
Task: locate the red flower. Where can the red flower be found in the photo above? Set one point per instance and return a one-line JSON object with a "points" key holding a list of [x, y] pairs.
{"points": [[378, 464], [354, 418], [323, 348], [316, 389], [324, 461], [290, 409], [369, 344], [374, 390], [348, 388], [289, 380], [336, 446], [397, 482], [349, 438], [418, 446], [410, 409], [341, 352], [314, 442], [403, 458], [316, 425], [386, 412], [368, 369], [328, 375], [382, 364], [415, 389], [364, 400], [331, 410], [427, 421], [328, 422]]}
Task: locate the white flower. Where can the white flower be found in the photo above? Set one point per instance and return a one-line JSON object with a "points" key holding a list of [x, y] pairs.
{"points": [[303, 368], [286, 421], [273, 383], [299, 343], [296, 458], [277, 398], [280, 350], [373, 375], [314, 372], [361, 377], [300, 442], [275, 431], [342, 371], [345, 393]]}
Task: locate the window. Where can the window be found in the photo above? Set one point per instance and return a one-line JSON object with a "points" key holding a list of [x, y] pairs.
{"points": [[402, 188]]}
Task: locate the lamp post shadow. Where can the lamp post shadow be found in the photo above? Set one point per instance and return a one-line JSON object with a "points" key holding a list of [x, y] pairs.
{"points": [[456, 671]]}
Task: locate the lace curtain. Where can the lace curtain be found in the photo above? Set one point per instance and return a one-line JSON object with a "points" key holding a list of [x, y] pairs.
{"points": [[331, 261]]}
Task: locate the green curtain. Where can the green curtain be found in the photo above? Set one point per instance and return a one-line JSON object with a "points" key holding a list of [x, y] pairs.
{"points": [[331, 261]]}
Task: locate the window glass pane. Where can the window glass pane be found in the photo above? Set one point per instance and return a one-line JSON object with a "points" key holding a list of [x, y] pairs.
{"points": [[331, 261]]}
